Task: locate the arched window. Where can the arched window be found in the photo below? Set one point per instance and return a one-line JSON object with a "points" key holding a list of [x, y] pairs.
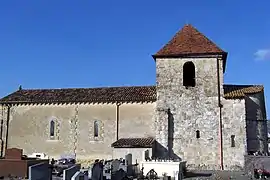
{"points": [[232, 140], [52, 128], [198, 134], [95, 128], [189, 74]]}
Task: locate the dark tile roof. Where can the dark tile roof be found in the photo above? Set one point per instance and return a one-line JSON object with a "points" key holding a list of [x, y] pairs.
{"points": [[239, 91], [189, 41], [133, 143], [96, 95], [109, 94]]}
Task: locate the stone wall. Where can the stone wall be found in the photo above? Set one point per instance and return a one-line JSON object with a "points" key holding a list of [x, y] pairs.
{"points": [[234, 124], [191, 109], [29, 127], [3, 125]]}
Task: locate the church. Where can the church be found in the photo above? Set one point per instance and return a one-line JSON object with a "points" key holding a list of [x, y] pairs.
{"points": [[189, 114]]}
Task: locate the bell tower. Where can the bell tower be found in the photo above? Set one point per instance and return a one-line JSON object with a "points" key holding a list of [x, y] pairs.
{"points": [[189, 83]]}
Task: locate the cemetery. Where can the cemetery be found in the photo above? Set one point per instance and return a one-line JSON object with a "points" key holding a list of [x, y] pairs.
{"points": [[15, 165]]}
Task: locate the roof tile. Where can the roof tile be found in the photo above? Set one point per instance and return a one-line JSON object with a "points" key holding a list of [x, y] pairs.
{"points": [[98, 95], [133, 142], [239, 91], [109, 94], [189, 41]]}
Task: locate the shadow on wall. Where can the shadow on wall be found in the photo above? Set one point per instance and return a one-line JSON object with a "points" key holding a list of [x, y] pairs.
{"points": [[256, 127], [162, 152], [170, 134]]}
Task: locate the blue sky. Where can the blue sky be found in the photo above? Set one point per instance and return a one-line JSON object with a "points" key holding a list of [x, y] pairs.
{"points": [[90, 43]]}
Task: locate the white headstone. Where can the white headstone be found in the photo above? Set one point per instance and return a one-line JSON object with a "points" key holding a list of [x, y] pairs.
{"points": [[79, 176], [128, 159]]}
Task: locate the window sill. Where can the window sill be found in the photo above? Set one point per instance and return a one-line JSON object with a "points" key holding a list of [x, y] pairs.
{"points": [[52, 140], [96, 141]]}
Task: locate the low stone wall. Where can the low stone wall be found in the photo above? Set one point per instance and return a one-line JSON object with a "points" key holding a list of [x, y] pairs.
{"points": [[252, 162], [39, 171], [173, 169], [68, 173]]}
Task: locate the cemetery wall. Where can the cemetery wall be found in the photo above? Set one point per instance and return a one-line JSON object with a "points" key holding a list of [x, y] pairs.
{"points": [[29, 127], [137, 153]]}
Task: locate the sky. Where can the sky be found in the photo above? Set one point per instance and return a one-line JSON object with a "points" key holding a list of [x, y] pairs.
{"points": [[93, 43]]}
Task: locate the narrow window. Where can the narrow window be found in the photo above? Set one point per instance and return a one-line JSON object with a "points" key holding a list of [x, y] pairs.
{"points": [[52, 128], [189, 74], [95, 128], [232, 140], [198, 134]]}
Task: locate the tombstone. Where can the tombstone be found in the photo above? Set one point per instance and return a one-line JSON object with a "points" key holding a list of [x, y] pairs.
{"points": [[119, 175], [128, 159], [90, 171], [146, 155], [14, 153], [97, 171], [79, 176], [115, 165], [152, 174], [107, 167], [123, 166], [107, 170]]}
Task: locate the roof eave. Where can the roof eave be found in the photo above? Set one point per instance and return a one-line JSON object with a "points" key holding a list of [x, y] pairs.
{"points": [[183, 55]]}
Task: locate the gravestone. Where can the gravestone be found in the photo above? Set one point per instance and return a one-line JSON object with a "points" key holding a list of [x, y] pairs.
{"points": [[90, 171], [79, 176], [123, 166], [107, 170], [115, 165], [152, 174], [128, 159], [97, 171], [119, 175], [14, 153]]}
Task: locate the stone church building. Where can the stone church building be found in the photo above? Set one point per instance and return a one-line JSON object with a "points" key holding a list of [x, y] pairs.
{"points": [[189, 114]]}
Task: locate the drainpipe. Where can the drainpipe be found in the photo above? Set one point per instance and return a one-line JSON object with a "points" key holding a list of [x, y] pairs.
{"points": [[220, 118], [117, 120], [8, 114], [1, 131]]}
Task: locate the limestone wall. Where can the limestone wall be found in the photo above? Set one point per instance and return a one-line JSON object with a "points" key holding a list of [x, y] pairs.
{"points": [[234, 124], [3, 125], [74, 132], [136, 120], [191, 109]]}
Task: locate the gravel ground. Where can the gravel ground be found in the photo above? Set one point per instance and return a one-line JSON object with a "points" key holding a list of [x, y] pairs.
{"points": [[217, 175]]}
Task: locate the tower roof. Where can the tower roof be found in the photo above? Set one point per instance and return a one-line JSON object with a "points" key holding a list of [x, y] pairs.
{"points": [[189, 41]]}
